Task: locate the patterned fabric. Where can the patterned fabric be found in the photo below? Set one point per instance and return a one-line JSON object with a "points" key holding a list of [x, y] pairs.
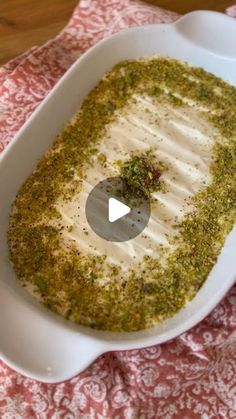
{"points": [[231, 11], [193, 376]]}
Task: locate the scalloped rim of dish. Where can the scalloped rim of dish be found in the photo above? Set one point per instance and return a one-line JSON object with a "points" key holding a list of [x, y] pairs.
{"points": [[190, 38]]}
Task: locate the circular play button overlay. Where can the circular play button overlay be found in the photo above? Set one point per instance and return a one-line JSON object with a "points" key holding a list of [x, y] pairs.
{"points": [[112, 214]]}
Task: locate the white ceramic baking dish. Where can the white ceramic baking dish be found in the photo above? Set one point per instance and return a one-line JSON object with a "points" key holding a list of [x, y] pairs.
{"points": [[34, 341]]}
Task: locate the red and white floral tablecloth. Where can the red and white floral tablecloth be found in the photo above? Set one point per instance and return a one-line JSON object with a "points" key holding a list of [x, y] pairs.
{"points": [[193, 376]]}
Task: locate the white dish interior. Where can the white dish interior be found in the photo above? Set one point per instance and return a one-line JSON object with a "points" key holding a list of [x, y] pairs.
{"points": [[33, 340]]}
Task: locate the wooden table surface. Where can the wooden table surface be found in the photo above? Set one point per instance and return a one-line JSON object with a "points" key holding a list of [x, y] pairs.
{"points": [[24, 23]]}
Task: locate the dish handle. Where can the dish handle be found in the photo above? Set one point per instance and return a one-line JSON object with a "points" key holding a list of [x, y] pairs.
{"points": [[210, 30], [30, 345]]}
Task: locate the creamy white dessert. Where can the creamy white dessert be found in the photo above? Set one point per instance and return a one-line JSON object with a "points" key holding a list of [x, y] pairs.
{"points": [[182, 140], [185, 118]]}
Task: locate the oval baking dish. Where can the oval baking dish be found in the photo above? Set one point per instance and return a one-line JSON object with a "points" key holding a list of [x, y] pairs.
{"points": [[34, 341]]}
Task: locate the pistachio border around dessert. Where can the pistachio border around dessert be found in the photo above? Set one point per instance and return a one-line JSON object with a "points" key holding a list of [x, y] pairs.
{"points": [[69, 282]]}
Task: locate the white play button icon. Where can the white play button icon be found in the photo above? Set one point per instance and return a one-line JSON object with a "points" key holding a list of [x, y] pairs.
{"points": [[113, 216], [116, 210]]}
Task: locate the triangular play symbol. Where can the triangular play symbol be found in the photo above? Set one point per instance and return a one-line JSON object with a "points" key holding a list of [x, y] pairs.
{"points": [[116, 210]]}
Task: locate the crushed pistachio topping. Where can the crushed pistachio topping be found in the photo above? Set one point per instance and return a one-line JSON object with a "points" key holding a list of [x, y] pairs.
{"points": [[102, 159], [141, 175], [86, 288]]}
